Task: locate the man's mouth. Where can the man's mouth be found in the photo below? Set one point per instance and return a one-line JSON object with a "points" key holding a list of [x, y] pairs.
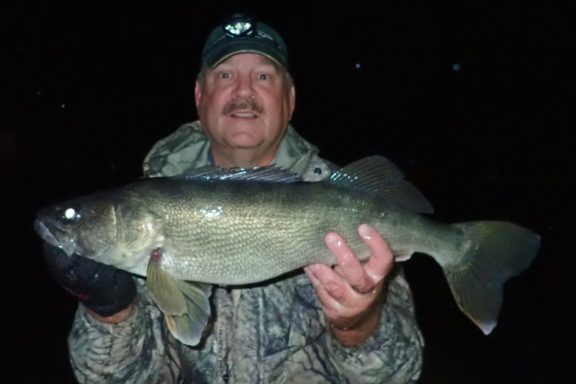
{"points": [[244, 114]]}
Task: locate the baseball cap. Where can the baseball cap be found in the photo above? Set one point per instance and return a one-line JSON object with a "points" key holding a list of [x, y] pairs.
{"points": [[243, 34]]}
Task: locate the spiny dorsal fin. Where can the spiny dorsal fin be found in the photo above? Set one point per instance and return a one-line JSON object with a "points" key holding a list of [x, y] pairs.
{"points": [[379, 177], [271, 173]]}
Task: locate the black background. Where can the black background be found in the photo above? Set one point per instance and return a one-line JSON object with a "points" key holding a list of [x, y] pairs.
{"points": [[471, 99]]}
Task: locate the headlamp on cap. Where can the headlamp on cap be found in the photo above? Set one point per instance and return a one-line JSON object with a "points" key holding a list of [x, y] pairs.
{"points": [[239, 28], [243, 35]]}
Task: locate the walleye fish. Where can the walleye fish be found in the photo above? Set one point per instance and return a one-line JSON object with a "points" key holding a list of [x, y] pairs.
{"points": [[243, 226]]}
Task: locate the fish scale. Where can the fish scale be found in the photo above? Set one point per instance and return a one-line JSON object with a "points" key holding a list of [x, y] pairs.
{"points": [[234, 246]]}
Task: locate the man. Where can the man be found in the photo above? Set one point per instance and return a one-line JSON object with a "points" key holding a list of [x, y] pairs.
{"points": [[352, 323]]}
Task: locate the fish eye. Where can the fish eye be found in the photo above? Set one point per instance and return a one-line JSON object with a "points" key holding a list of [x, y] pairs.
{"points": [[70, 215]]}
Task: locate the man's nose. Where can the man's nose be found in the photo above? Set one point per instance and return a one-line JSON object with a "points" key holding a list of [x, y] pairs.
{"points": [[244, 87]]}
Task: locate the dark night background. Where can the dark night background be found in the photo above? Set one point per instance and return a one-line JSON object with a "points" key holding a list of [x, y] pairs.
{"points": [[470, 98]]}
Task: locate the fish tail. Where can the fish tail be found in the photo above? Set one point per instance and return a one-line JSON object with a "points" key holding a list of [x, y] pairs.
{"points": [[495, 251]]}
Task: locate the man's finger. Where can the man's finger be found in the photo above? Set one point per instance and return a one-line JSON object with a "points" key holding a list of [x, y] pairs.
{"points": [[381, 260], [315, 273], [349, 267]]}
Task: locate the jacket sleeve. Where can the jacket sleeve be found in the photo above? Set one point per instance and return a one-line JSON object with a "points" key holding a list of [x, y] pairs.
{"points": [[136, 350], [393, 353]]}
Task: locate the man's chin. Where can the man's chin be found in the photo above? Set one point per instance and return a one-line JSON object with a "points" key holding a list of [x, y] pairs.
{"points": [[244, 140]]}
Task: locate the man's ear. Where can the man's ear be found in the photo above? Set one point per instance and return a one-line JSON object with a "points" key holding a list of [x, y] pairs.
{"points": [[292, 99], [197, 93]]}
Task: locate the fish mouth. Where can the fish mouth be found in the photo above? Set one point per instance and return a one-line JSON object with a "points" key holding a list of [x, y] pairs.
{"points": [[48, 235]]}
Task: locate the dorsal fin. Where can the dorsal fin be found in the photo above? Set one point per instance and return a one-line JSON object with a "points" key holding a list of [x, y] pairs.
{"points": [[379, 177], [271, 173]]}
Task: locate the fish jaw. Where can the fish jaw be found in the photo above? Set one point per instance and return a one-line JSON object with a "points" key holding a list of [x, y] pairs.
{"points": [[62, 240]]}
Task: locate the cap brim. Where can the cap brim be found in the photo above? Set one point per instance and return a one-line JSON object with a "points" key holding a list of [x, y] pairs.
{"points": [[235, 47]]}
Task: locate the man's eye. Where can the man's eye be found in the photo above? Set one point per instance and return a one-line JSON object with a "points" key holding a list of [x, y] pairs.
{"points": [[263, 76], [224, 75]]}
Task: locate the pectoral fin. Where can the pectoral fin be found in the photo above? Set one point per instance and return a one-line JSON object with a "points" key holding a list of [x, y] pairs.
{"points": [[188, 327], [185, 305]]}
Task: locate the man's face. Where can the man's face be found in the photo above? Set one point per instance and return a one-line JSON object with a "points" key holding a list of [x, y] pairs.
{"points": [[245, 104]]}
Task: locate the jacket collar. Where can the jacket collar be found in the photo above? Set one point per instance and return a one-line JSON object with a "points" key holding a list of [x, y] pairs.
{"points": [[188, 147]]}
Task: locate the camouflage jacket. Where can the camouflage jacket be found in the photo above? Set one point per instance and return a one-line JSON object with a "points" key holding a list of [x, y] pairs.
{"points": [[269, 333]]}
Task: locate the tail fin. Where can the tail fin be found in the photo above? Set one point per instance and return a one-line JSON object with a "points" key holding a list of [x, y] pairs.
{"points": [[497, 251]]}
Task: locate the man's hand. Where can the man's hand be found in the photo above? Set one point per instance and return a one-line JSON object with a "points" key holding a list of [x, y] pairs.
{"points": [[351, 292], [107, 292]]}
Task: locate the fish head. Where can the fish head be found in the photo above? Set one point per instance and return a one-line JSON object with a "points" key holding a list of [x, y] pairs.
{"points": [[84, 226], [113, 228]]}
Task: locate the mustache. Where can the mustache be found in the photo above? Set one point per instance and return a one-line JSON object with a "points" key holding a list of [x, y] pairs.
{"points": [[245, 104]]}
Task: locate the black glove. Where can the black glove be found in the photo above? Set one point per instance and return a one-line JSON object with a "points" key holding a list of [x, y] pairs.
{"points": [[102, 288]]}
